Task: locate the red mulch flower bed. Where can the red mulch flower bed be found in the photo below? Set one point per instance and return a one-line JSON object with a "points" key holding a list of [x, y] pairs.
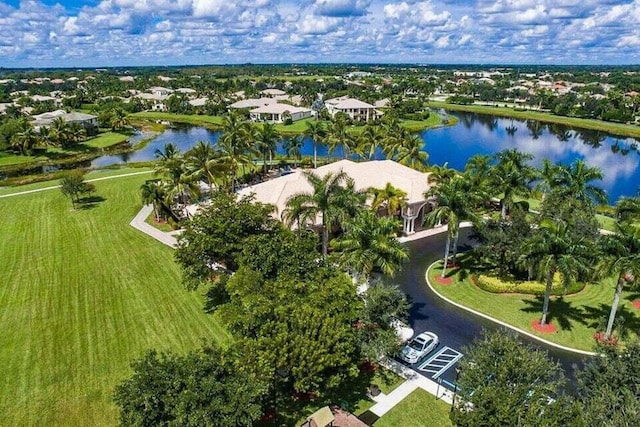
{"points": [[546, 329], [636, 304], [599, 337], [445, 281]]}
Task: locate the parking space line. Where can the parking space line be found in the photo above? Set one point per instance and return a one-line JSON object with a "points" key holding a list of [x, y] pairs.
{"points": [[440, 362]]}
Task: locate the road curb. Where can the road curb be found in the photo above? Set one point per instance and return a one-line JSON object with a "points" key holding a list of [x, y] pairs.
{"points": [[500, 322]]}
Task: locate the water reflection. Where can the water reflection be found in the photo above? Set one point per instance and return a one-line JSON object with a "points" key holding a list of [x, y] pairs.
{"points": [[617, 157], [477, 134]]}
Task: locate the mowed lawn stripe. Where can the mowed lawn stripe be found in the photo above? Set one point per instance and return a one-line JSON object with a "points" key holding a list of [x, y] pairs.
{"points": [[81, 294]]}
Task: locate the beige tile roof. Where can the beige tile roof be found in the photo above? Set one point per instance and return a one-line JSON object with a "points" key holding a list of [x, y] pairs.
{"points": [[376, 173]]}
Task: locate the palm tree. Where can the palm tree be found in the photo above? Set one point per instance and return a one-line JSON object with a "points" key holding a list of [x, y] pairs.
{"points": [[574, 182], [370, 243], [60, 132], [329, 199], [549, 178], [169, 152], [440, 174], [411, 153], [620, 256], [628, 209], [553, 249], [456, 201], [293, 147], [368, 141], [267, 138], [317, 132], [479, 170], [25, 139], [119, 119], [392, 198], [512, 176], [201, 161], [235, 145], [152, 193], [44, 135], [337, 135], [77, 132]]}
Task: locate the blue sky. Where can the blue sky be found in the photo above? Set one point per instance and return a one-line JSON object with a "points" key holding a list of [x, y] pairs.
{"points": [[85, 33]]}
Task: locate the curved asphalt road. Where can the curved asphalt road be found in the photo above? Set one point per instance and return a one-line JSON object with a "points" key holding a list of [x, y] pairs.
{"points": [[455, 327]]}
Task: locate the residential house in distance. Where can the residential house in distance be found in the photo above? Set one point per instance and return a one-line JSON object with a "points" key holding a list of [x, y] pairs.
{"points": [[278, 113], [272, 93], [352, 107], [88, 121]]}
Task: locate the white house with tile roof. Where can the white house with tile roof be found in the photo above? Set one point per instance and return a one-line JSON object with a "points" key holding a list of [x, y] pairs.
{"points": [[352, 107], [376, 174]]}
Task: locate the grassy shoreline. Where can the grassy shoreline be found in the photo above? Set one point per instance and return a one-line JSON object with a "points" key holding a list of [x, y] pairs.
{"points": [[618, 129]]}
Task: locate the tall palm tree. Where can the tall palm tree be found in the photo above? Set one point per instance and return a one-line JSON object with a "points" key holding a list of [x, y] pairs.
{"points": [[60, 132], [266, 138], [44, 135], [119, 119], [169, 152], [317, 132], [235, 145], [369, 243], [202, 161], [77, 132], [574, 181], [628, 209], [512, 177], [441, 174], [621, 257], [368, 141], [337, 135], [410, 153], [479, 170], [25, 139], [293, 147], [549, 178], [392, 198], [152, 193], [456, 201], [328, 198], [553, 249]]}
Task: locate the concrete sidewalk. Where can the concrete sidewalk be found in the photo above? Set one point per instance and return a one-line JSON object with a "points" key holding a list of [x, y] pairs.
{"points": [[139, 223], [385, 402]]}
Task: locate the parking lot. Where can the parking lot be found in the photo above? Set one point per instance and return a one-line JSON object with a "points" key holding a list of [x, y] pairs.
{"points": [[440, 365]]}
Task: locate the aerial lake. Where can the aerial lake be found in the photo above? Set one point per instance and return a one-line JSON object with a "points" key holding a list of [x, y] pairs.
{"points": [[618, 158]]}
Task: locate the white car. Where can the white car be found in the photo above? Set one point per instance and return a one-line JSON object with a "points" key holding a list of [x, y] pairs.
{"points": [[419, 347]]}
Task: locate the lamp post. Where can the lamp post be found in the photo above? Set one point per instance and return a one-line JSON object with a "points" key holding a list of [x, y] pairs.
{"points": [[455, 388]]}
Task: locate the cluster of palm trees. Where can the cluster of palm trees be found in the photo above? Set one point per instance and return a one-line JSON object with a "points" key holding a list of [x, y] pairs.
{"points": [[59, 134], [388, 138], [557, 243], [365, 241]]}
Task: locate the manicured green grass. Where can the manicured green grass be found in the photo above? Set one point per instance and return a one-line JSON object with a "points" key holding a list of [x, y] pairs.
{"points": [[15, 159], [192, 119], [419, 409], [606, 222], [106, 139], [81, 294], [102, 173], [577, 317], [613, 128]]}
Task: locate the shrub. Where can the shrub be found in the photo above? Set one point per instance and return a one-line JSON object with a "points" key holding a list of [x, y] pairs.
{"points": [[498, 286]]}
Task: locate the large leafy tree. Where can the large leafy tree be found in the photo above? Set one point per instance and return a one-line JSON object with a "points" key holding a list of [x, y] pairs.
{"points": [[608, 387], [208, 387], [620, 258], [73, 186], [512, 177], [329, 199], [303, 329], [369, 243], [503, 382], [554, 249], [456, 201], [216, 236]]}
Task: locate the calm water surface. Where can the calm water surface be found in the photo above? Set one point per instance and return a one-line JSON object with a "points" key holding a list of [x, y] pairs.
{"points": [[618, 158]]}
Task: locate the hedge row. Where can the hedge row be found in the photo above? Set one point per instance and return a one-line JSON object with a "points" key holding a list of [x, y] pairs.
{"points": [[498, 286]]}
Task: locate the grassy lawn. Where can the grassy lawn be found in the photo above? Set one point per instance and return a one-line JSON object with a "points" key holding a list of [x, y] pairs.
{"points": [[81, 294], [192, 119], [106, 139], [7, 159], [102, 173], [577, 317], [613, 128], [419, 409]]}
